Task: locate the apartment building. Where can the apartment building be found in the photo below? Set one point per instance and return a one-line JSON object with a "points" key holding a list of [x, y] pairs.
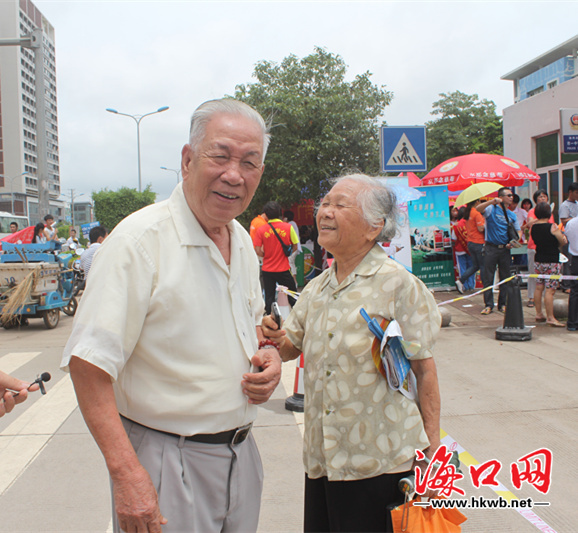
{"points": [[19, 146]]}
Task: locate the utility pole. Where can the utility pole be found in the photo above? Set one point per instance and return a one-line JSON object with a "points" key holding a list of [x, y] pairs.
{"points": [[72, 206], [34, 41]]}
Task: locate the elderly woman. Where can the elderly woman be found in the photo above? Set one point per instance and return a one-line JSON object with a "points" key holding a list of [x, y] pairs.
{"points": [[360, 435]]}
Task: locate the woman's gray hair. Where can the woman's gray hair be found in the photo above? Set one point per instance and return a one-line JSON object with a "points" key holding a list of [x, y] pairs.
{"points": [[205, 112], [377, 202]]}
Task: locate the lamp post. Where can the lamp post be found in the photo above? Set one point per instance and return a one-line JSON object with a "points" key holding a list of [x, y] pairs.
{"points": [[137, 119], [177, 172]]}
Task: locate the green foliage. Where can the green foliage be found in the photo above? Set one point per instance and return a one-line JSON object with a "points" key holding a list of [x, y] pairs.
{"points": [[465, 125], [63, 230], [110, 207], [321, 125]]}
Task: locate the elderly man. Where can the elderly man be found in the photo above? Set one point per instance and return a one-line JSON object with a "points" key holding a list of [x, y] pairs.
{"points": [[497, 248], [360, 435], [165, 351]]}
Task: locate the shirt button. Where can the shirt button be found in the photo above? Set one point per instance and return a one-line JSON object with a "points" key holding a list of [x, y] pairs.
{"points": [[330, 335], [335, 296], [328, 373]]}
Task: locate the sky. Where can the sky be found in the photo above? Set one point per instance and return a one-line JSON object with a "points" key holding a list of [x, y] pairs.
{"points": [[137, 56]]}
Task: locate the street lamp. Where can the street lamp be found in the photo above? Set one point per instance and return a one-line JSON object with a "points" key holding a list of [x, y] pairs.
{"points": [[137, 119], [177, 172], [12, 189]]}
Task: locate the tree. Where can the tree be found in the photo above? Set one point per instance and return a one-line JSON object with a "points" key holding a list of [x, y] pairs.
{"points": [[466, 125], [110, 207], [321, 125]]}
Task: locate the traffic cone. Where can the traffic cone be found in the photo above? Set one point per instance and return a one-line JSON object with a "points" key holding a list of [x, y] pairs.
{"points": [[296, 402], [513, 328]]}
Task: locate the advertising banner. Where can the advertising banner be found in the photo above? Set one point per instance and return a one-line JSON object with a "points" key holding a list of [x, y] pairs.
{"points": [[431, 245]]}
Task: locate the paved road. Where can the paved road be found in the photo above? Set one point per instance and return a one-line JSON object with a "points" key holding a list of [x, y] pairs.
{"points": [[500, 401]]}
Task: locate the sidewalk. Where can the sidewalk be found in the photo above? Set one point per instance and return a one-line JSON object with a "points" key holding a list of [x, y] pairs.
{"points": [[500, 400]]}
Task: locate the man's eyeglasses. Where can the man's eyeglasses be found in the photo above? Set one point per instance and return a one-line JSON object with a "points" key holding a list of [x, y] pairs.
{"points": [[510, 195]]}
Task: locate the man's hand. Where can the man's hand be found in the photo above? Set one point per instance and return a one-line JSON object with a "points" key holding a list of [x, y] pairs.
{"points": [[136, 503], [259, 386], [9, 384], [271, 330]]}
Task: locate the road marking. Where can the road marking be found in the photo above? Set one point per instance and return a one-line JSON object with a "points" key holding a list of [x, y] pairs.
{"points": [[467, 459], [11, 362], [24, 439]]}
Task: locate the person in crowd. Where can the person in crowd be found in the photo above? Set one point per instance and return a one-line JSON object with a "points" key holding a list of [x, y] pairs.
{"points": [[50, 231], [256, 223], [360, 435], [463, 259], [72, 238], [498, 245], [541, 195], [571, 231], [96, 237], [526, 204], [548, 239], [568, 210], [13, 227], [9, 386], [569, 207], [475, 228], [166, 343], [520, 213], [289, 217], [39, 236], [453, 215], [275, 269]]}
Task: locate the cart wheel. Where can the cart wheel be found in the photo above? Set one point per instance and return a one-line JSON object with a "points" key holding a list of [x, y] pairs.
{"points": [[70, 309], [51, 318]]}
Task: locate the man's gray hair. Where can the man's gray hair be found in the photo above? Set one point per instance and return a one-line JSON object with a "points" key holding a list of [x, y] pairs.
{"points": [[377, 202], [205, 112]]}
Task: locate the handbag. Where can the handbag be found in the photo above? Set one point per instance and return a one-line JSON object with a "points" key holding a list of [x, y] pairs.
{"points": [[513, 237], [287, 248], [408, 518]]}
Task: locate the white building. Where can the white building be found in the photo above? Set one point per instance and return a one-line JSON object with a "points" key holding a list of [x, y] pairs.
{"points": [[532, 133], [18, 135]]}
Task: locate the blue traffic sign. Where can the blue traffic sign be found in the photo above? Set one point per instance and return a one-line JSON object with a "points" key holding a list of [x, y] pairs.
{"points": [[403, 148]]}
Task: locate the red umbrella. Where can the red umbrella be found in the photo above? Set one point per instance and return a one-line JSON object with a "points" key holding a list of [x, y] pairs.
{"points": [[460, 172]]}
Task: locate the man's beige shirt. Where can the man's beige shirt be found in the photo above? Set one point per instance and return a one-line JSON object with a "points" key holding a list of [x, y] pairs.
{"points": [[171, 322], [356, 427]]}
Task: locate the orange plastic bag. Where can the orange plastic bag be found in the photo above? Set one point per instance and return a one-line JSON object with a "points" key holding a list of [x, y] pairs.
{"points": [[409, 518]]}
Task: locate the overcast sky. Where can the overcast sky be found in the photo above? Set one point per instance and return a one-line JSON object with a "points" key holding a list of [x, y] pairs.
{"points": [[137, 56]]}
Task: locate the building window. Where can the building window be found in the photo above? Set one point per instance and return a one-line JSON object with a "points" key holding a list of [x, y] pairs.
{"points": [[536, 91], [547, 150], [554, 191], [552, 84], [567, 179]]}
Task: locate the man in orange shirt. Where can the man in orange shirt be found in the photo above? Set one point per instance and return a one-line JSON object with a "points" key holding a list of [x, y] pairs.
{"points": [[275, 263], [475, 227], [256, 223]]}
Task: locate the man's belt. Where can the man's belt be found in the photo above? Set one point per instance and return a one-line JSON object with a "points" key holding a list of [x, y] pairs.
{"points": [[232, 436], [496, 245]]}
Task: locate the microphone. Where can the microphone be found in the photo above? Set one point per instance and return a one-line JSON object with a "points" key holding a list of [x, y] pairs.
{"points": [[45, 376]]}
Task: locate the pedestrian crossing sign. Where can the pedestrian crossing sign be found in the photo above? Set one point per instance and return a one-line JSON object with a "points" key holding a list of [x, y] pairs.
{"points": [[403, 148]]}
